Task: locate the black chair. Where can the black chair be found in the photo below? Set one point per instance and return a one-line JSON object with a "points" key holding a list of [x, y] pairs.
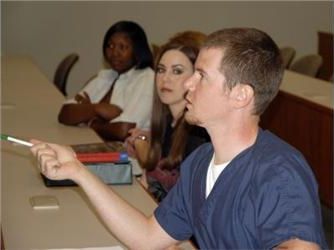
{"points": [[63, 70]]}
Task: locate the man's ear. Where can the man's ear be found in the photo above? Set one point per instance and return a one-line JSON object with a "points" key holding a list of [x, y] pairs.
{"points": [[242, 95]]}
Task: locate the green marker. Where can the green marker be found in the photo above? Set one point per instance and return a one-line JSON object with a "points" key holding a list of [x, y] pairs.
{"points": [[16, 140]]}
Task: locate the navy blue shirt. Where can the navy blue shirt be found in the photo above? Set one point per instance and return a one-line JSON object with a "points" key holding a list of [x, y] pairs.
{"points": [[265, 196]]}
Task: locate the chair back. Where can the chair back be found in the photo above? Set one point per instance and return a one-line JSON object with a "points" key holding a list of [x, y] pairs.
{"points": [[287, 53], [307, 65], [63, 70]]}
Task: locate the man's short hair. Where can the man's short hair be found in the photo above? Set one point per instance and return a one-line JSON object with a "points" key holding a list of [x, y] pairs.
{"points": [[250, 57]]}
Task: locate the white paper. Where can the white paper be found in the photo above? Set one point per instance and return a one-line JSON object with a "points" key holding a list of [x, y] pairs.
{"points": [[90, 248]]}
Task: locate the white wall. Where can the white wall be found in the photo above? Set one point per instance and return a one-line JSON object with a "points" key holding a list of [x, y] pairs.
{"points": [[47, 31]]}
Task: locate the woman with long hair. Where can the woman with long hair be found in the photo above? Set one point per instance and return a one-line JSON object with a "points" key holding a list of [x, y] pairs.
{"points": [[170, 139]]}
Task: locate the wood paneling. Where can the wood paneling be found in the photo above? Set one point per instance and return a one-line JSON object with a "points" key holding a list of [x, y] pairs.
{"points": [[308, 127], [325, 49], [2, 243]]}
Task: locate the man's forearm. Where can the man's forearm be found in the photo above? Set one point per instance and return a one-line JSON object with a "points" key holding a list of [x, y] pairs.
{"points": [[297, 244], [128, 224]]}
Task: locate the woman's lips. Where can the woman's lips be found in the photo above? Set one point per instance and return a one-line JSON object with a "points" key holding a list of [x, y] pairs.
{"points": [[165, 90], [115, 62]]}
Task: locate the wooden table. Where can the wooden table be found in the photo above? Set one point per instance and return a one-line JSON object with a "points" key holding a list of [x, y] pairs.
{"points": [[29, 108], [302, 114]]}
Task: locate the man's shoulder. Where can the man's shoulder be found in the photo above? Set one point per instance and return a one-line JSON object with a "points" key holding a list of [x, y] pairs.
{"points": [[271, 145], [272, 154]]}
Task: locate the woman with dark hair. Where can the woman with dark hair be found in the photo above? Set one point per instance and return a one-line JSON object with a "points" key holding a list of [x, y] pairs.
{"points": [[136, 34], [171, 139], [118, 98]]}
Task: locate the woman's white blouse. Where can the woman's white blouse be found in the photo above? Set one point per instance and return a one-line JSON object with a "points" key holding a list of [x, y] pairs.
{"points": [[133, 93]]}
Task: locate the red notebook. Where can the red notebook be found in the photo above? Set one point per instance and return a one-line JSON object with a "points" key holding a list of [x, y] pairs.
{"points": [[101, 152], [116, 157]]}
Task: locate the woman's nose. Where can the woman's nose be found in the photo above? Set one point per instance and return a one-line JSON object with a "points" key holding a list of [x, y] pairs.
{"points": [[111, 54], [115, 51], [166, 77]]}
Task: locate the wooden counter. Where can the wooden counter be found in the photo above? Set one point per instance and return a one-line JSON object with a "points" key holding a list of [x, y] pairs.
{"points": [[302, 115]]}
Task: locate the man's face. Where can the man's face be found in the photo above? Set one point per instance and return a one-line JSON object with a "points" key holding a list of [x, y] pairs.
{"points": [[207, 98]]}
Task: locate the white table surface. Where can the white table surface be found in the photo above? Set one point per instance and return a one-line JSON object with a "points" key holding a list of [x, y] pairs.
{"points": [[312, 89], [29, 107]]}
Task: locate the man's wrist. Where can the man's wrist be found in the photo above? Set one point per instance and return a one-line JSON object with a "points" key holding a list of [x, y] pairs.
{"points": [[81, 174]]}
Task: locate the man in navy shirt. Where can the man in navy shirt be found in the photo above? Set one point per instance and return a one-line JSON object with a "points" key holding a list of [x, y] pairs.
{"points": [[246, 190]]}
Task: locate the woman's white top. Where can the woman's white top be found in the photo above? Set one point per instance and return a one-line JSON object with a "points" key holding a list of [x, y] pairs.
{"points": [[213, 173], [133, 93]]}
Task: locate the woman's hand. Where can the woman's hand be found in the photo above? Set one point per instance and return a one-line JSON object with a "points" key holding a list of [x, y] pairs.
{"points": [[143, 179], [55, 161], [135, 132], [83, 98], [130, 141], [134, 140]]}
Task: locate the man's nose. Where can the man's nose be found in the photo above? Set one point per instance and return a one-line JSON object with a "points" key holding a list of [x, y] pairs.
{"points": [[189, 83]]}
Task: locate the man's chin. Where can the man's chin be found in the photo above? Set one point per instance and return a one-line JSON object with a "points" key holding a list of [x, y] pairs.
{"points": [[192, 119]]}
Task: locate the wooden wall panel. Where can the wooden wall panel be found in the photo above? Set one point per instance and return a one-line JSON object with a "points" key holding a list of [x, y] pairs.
{"points": [[2, 243], [325, 49], [309, 128]]}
